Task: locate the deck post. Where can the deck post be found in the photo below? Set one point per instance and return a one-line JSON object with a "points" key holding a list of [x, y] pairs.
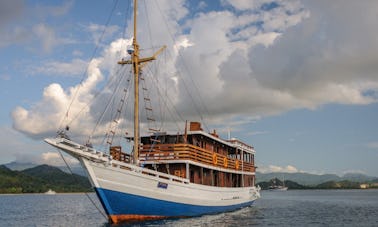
{"points": [[242, 167], [187, 171], [212, 177]]}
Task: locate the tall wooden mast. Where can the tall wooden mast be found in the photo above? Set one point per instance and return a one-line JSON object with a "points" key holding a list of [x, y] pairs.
{"points": [[136, 61]]}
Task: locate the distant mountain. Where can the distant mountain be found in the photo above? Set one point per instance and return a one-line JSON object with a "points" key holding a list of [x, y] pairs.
{"points": [[39, 179], [20, 165], [357, 177], [312, 179], [345, 184], [76, 169], [17, 182], [56, 176]]}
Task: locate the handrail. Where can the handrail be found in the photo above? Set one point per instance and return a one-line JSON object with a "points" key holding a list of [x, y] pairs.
{"points": [[169, 152]]}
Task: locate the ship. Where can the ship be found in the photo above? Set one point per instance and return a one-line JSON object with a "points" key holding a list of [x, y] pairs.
{"points": [[50, 192], [165, 175], [276, 187]]}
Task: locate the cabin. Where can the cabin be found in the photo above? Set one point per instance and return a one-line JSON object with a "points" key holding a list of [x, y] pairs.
{"points": [[203, 158]]}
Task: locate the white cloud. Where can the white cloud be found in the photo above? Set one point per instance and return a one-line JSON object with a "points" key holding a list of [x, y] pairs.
{"points": [[10, 10], [10, 141], [5, 77], [101, 32], [275, 169], [373, 145], [321, 60], [245, 4], [46, 116], [57, 10], [30, 25], [73, 68], [353, 171], [201, 5], [236, 65], [55, 159], [48, 38], [48, 158], [15, 147], [254, 133]]}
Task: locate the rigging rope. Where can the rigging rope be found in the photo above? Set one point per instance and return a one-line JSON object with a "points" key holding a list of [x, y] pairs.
{"points": [[187, 68], [86, 69], [158, 89], [148, 25], [86, 193], [108, 104]]}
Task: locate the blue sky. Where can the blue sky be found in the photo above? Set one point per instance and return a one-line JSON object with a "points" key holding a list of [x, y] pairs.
{"points": [[297, 79]]}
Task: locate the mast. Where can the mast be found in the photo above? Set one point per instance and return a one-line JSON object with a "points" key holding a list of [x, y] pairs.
{"points": [[136, 61]]}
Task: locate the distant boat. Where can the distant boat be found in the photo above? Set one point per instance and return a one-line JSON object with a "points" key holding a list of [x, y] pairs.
{"points": [[276, 187], [50, 192]]}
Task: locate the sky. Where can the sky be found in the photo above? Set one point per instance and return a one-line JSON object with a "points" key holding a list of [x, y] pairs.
{"points": [[296, 79]]}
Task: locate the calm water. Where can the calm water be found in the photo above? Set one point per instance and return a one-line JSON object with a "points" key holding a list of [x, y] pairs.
{"points": [[291, 208]]}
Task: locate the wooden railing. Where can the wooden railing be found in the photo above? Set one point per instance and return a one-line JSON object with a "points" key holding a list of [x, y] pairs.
{"points": [[164, 152]]}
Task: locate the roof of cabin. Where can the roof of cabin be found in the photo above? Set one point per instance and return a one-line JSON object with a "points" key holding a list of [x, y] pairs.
{"points": [[231, 143]]}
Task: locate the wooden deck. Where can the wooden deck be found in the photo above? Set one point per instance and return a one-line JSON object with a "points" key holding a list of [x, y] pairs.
{"points": [[169, 152]]}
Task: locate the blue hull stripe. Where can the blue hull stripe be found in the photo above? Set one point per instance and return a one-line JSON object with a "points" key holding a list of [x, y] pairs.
{"points": [[118, 203]]}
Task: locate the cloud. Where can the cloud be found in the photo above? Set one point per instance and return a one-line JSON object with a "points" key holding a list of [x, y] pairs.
{"points": [[15, 147], [20, 24], [373, 145], [48, 158], [56, 10], [254, 133], [254, 60], [11, 140], [10, 10], [322, 60], [73, 68], [55, 159], [48, 38], [5, 77], [101, 32], [46, 116], [275, 169], [40, 33]]}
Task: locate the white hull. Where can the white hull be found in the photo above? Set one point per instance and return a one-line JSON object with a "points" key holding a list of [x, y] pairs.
{"points": [[127, 191]]}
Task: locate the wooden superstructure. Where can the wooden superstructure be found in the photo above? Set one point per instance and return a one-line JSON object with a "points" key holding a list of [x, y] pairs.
{"points": [[202, 158]]}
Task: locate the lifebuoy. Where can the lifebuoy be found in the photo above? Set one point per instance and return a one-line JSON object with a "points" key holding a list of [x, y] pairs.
{"points": [[237, 164], [225, 162], [215, 159]]}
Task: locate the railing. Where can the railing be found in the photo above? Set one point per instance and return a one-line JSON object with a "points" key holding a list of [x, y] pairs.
{"points": [[242, 145], [117, 154], [169, 152]]}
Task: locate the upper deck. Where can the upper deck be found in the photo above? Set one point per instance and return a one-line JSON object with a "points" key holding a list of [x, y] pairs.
{"points": [[199, 147]]}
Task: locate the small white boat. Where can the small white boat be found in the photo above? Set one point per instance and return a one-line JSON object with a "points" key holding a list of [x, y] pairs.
{"points": [[276, 187], [50, 192]]}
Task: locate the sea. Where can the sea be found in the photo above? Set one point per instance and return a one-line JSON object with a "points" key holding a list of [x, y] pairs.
{"points": [[275, 208]]}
